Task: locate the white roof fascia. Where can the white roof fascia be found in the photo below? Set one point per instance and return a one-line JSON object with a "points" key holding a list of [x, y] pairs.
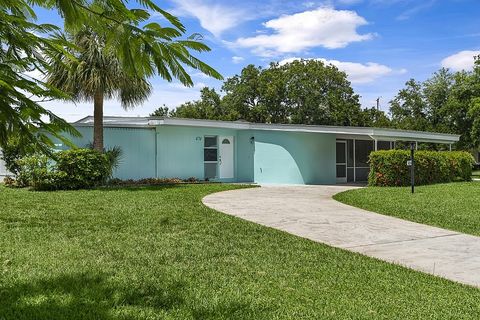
{"points": [[373, 133], [342, 132], [115, 122], [115, 125], [386, 134], [200, 123]]}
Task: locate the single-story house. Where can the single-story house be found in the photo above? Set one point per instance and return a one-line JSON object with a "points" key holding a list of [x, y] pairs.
{"points": [[3, 170], [239, 151]]}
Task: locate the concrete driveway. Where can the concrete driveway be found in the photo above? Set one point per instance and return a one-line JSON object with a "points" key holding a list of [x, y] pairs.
{"points": [[310, 212]]}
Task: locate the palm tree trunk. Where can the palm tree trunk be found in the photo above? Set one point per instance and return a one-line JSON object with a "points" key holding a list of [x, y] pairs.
{"points": [[98, 121]]}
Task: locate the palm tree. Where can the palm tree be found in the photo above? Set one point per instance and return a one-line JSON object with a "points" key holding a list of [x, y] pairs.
{"points": [[93, 73], [94, 68], [142, 49]]}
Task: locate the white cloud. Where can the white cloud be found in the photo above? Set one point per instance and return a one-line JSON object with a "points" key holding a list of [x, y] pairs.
{"points": [[358, 73], [179, 86], [236, 59], [349, 2], [215, 18], [462, 60], [325, 27], [416, 9], [200, 75]]}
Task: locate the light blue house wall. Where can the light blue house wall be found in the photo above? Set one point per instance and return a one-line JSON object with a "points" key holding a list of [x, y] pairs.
{"points": [[138, 146], [245, 156], [180, 150], [294, 157], [260, 156]]}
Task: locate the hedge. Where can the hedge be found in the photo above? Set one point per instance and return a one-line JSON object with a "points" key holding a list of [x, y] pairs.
{"points": [[389, 167], [72, 169]]}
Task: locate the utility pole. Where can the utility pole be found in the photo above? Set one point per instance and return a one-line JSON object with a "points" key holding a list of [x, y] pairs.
{"points": [[378, 103]]}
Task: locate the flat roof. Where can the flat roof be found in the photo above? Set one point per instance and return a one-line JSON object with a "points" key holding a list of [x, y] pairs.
{"points": [[343, 132]]}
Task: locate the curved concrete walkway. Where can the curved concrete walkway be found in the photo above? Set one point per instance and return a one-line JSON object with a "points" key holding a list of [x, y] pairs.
{"points": [[310, 212]]}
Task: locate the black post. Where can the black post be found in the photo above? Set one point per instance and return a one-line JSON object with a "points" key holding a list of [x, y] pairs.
{"points": [[412, 166]]}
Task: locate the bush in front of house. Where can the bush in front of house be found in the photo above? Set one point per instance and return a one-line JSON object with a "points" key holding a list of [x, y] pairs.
{"points": [[82, 168], [35, 171], [14, 150], [389, 167], [69, 170]]}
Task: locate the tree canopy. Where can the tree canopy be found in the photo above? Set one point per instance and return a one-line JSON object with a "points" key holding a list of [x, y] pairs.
{"points": [[303, 91], [143, 49], [446, 102], [92, 72], [310, 92]]}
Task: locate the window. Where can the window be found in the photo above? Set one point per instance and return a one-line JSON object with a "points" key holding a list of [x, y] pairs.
{"points": [[210, 156], [210, 142]]}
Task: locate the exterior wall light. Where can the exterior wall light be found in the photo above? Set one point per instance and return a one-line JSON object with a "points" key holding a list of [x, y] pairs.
{"points": [[252, 140], [198, 138]]}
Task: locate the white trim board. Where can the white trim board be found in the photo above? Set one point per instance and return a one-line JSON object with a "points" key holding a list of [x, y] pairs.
{"points": [[341, 131]]}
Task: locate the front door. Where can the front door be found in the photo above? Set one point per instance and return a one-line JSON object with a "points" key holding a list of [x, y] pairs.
{"points": [[341, 162], [225, 158]]}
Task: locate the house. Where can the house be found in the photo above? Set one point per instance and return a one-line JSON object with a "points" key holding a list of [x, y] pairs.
{"points": [[238, 151], [3, 170]]}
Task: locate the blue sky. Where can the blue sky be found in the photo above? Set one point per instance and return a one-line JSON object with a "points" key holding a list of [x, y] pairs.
{"points": [[379, 43]]}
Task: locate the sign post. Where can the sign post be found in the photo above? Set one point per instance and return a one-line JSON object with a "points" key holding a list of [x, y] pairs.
{"points": [[412, 166]]}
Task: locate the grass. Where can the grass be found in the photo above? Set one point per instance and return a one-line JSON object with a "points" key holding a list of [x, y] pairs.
{"points": [[158, 253], [453, 206]]}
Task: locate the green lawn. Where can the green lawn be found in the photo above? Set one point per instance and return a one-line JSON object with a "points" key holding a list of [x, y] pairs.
{"points": [[454, 206], [158, 253]]}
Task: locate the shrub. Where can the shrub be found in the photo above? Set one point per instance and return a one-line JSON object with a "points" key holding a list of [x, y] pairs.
{"points": [[114, 156], [72, 169], [13, 151], [151, 181], [389, 168], [81, 168], [9, 182], [33, 170]]}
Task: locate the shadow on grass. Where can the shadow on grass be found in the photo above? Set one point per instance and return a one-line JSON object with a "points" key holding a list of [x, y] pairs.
{"points": [[85, 296], [96, 296]]}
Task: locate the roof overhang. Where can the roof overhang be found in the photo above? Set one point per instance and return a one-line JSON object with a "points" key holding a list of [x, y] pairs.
{"points": [[343, 132]]}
